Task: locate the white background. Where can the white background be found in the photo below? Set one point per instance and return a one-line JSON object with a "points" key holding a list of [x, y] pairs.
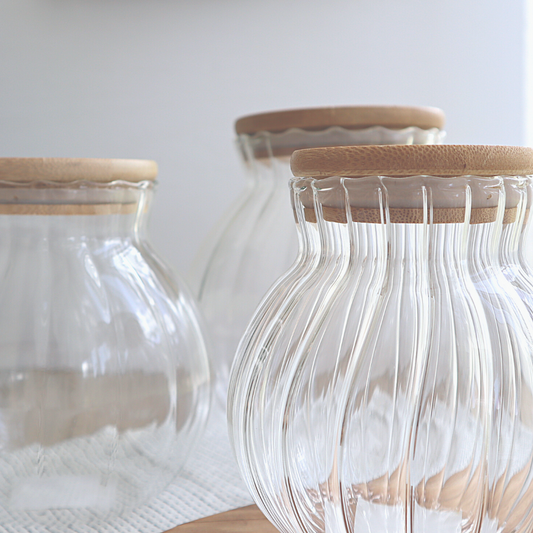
{"points": [[165, 80]]}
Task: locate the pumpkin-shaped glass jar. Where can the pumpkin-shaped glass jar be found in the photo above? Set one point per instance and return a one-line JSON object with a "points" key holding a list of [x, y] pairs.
{"points": [[255, 242], [385, 383], [104, 376]]}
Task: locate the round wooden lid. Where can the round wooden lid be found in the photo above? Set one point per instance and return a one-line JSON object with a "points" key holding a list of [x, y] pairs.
{"points": [[350, 117], [413, 160], [65, 170]]}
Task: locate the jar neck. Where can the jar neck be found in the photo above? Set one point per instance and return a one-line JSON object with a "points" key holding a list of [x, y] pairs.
{"points": [[526, 230], [362, 219], [74, 211], [261, 165], [266, 154], [515, 243]]}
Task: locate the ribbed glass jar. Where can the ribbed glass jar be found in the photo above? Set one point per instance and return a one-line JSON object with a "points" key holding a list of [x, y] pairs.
{"points": [[255, 241], [385, 382], [104, 376], [515, 245]]}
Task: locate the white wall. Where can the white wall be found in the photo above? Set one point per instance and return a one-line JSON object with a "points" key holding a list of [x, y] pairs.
{"points": [[165, 79]]}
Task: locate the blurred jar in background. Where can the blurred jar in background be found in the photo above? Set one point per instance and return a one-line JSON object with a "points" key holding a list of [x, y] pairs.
{"points": [[256, 241], [104, 375]]}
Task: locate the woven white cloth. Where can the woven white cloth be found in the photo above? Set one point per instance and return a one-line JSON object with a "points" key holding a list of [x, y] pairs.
{"points": [[209, 483]]}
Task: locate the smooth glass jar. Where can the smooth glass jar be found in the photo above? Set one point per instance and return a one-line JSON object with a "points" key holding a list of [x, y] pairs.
{"points": [[385, 383], [104, 376], [255, 242]]}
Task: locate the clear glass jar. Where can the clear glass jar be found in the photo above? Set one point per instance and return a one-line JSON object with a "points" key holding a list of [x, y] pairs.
{"points": [[104, 375], [385, 382], [255, 242]]}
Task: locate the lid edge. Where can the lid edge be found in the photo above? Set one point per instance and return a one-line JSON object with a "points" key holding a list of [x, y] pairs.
{"points": [[411, 160], [354, 117], [66, 170]]}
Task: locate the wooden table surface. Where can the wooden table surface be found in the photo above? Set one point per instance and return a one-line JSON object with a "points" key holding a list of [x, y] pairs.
{"points": [[244, 520]]}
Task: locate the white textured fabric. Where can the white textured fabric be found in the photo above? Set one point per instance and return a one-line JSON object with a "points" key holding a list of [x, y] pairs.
{"points": [[210, 483]]}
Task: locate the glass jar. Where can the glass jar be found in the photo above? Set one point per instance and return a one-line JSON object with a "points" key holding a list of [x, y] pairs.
{"points": [[385, 383], [104, 376], [255, 242]]}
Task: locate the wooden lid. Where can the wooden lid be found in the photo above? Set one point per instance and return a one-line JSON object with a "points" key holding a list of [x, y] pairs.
{"points": [[413, 160], [350, 117], [244, 520], [66, 170]]}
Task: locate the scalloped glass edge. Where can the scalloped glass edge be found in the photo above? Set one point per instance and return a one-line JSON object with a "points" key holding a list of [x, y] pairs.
{"points": [[346, 136]]}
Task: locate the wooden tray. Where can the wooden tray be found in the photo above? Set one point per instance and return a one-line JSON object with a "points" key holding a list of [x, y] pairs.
{"points": [[244, 520]]}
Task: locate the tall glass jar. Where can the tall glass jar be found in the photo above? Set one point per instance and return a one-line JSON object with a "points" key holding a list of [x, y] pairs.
{"points": [[255, 242], [104, 376], [385, 383]]}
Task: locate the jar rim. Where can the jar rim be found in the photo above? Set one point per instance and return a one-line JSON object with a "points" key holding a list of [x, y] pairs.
{"points": [[65, 170], [351, 117], [445, 160]]}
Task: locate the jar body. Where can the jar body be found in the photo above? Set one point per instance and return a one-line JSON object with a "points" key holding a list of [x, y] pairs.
{"points": [[104, 379], [383, 384], [255, 242]]}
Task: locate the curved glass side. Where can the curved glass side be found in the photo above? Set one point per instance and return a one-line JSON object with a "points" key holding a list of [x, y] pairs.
{"points": [[104, 377]]}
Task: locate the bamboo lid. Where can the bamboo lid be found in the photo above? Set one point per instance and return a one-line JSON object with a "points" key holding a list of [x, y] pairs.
{"points": [[66, 170], [350, 117], [413, 160]]}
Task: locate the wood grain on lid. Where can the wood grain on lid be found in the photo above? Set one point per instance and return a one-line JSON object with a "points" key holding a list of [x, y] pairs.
{"points": [[66, 170], [413, 160], [244, 520], [351, 117]]}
